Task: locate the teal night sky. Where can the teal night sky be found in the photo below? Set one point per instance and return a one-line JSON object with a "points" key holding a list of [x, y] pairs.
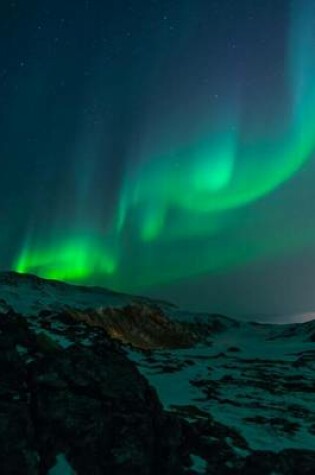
{"points": [[162, 147]]}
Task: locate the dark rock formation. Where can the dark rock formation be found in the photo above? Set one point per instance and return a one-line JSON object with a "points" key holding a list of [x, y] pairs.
{"points": [[142, 326], [89, 405]]}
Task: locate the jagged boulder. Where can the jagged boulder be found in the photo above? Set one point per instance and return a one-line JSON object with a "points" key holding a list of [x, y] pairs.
{"points": [[89, 405]]}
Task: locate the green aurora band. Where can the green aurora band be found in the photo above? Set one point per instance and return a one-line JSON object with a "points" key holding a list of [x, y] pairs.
{"points": [[174, 203]]}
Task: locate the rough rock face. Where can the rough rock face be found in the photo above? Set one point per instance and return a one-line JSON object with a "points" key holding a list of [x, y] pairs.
{"points": [[89, 406], [141, 326]]}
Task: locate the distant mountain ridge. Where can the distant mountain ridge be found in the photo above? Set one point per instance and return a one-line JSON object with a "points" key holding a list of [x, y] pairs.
{"points": [[47, 292]]}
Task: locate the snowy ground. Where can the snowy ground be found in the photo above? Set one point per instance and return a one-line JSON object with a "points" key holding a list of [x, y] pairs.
{"points": [[250, 378]]}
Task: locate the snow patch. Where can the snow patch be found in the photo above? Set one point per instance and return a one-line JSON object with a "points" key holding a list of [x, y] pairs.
{"points": [[199, 465], [62, 467]]}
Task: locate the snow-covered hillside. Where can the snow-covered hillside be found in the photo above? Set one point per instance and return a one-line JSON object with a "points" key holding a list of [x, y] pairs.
{"points": [[261, 386], [30, 294]]}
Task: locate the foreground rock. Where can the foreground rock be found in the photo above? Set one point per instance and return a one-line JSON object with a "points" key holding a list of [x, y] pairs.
{"points": [[87, 409]]}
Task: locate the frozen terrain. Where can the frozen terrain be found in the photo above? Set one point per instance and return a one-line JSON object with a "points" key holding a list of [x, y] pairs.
{"points": [[256, 379], [246, 388]]}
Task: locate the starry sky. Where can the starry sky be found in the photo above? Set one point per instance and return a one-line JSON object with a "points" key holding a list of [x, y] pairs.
{"points": [[165, 148]]}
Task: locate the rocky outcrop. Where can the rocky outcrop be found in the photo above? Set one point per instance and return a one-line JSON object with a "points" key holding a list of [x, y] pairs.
{"points": [[86, 405], [140, 325]]}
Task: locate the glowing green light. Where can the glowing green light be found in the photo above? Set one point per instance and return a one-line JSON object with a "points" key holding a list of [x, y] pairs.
{"points": [[177, 202], [74, 260]]}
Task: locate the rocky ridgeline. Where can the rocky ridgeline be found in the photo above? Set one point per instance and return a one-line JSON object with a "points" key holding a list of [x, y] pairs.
{"points": [[142, 326]]}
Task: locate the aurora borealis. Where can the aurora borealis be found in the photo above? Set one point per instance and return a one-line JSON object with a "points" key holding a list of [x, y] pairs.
{"points": [[157, 146]]}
